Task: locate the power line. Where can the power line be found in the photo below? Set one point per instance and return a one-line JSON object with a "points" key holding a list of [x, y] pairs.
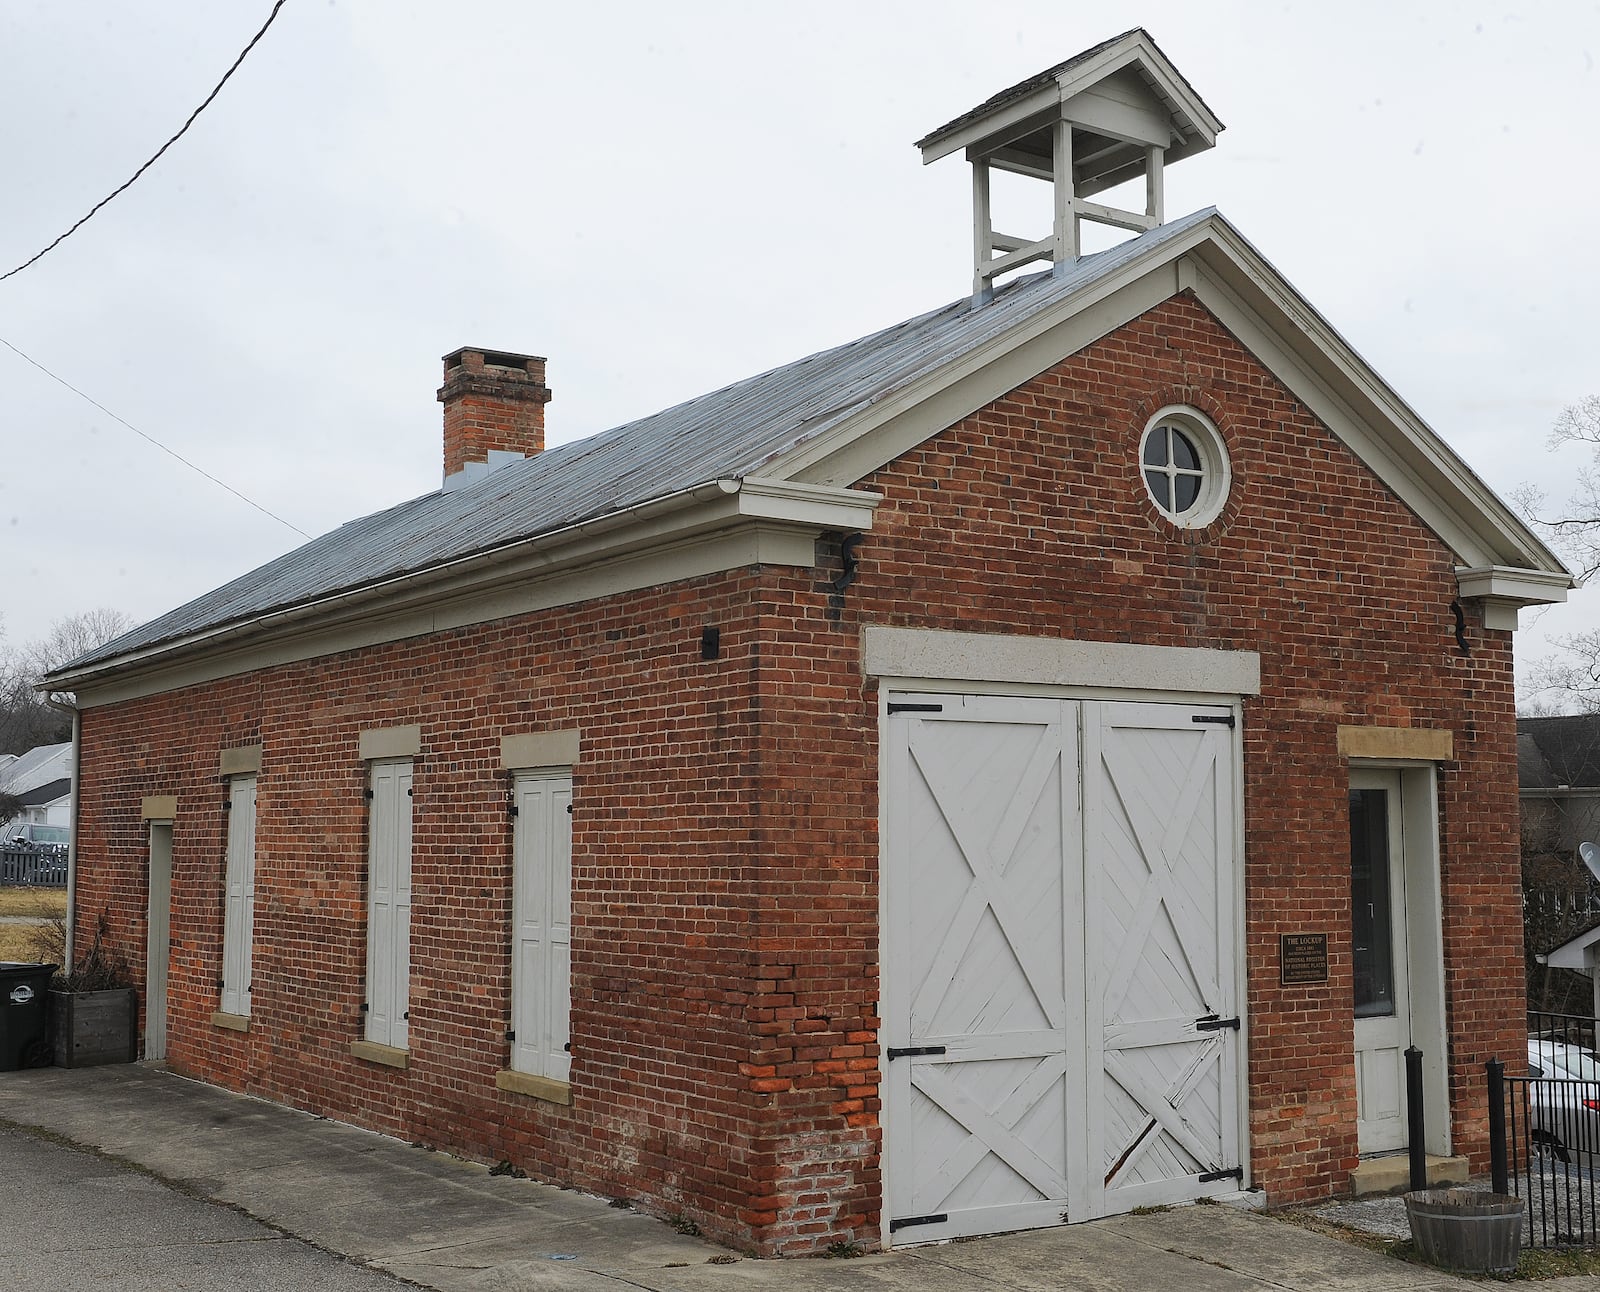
{"points": [[152, 439], [192, 116]]}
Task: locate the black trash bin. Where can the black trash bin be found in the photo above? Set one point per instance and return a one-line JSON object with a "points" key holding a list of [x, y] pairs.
{"points": [[24, 1016]]}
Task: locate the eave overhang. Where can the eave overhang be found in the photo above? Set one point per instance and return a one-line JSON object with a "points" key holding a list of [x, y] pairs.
{"points": [[720, 525]]}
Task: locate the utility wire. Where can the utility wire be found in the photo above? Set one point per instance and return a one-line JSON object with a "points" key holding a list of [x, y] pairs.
{"points": [[152, 439], [192, 116]]}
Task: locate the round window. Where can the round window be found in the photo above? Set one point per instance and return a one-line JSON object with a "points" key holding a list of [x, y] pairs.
{"points": [[1185, 467]]}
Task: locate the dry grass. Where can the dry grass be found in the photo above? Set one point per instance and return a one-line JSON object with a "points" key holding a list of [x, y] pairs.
{"points": [[42, 902], [17, 942]]}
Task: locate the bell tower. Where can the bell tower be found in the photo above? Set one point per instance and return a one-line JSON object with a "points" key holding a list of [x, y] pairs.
{"points": [[1109, 115]]}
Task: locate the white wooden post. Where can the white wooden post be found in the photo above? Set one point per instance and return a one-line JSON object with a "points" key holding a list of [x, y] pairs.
{"points": [[1154, 195], [982, 231], [1066, 213]]}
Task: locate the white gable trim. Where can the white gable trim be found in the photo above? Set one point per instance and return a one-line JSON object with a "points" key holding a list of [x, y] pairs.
{"points": [[1289, 338]]}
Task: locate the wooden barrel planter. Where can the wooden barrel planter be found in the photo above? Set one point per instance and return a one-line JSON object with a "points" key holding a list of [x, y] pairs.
{"points": [[1466, 1231]]}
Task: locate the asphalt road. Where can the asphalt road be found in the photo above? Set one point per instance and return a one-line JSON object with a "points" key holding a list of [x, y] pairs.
{"points": [[74, 1222]]}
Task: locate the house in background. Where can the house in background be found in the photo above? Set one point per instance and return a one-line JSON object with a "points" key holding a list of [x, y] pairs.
{"points": [[1047, 757], [1558, 777], [42, 780]]}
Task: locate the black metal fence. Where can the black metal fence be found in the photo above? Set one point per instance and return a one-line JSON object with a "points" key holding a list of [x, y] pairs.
{"points": [[1544, 1129], [35, 867]]}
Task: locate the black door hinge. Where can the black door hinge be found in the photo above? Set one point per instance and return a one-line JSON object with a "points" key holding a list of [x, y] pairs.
{"points": [[914, 708], [511, 1036], [511, 809], [569, 809], [1219, 719], [367, 794], [365, 1007], [1232, 1173], [913, 1051], [905, 1222], [227, 805], [1211, 1023]]}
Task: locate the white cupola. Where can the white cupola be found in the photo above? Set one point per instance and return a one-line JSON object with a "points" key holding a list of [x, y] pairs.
{"points": [[1100, 119]]}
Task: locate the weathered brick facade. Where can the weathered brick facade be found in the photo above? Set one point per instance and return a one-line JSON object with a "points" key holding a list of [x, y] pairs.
{"points": [[725, 850]]}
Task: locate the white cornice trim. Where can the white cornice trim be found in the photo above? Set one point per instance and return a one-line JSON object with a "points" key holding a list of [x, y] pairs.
{"points": [[937, 655], [722, 525], [1505, 591]]}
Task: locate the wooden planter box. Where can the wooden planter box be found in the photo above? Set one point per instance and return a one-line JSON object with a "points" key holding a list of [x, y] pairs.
{"points": [[93, 1027]]}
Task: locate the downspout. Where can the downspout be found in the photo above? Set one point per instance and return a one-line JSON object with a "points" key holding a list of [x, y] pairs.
{"points": [[72, 832]]}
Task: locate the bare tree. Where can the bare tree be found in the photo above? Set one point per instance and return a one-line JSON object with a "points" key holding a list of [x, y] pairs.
{"points": [[1571, 678], [70, 637], [26, 720]]}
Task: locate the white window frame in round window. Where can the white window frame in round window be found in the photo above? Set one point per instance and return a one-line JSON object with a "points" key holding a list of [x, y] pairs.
{"points": [[1184, 465]]}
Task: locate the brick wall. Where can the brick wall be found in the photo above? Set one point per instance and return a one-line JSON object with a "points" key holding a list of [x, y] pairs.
{"points": [[725, 934]]}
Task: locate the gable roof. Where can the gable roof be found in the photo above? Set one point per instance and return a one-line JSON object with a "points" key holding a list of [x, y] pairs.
{"points": [[728, 434], [38, 766], [1559, 753], [49, 792], [816, 426], [1194, 127]]}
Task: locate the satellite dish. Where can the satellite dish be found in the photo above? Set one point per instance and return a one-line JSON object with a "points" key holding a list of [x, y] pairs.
{"points": [[1591, 858]]}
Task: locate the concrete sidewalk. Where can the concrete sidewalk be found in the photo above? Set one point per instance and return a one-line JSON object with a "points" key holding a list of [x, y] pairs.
{"points": [[450, 1225]]}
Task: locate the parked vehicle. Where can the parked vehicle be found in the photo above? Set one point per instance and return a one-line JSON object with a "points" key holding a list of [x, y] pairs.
{"points": [[33, 834], [1564, 1104]]}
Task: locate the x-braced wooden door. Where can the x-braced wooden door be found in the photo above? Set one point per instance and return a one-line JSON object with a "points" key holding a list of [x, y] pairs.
{"points": [[1159, 899], [983, 972], [1059, 983]]}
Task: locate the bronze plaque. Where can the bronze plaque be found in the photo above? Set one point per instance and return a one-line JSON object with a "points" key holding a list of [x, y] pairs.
{"points": [[1303, 957]]}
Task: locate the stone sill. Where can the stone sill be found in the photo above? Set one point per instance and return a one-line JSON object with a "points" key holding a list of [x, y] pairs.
{"points": [[231, 1022], [523, 1083], [387, 1055]]}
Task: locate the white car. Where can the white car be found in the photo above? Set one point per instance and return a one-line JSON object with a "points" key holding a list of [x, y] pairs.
{"points": [[1564, 1101]]}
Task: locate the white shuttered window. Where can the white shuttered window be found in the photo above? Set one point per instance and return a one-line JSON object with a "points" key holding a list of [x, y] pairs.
{"points": [[389, 903], [541, 912], [239, 911]]}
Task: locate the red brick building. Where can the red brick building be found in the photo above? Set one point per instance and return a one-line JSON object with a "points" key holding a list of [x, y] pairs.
{"points": [[1047, 757]]}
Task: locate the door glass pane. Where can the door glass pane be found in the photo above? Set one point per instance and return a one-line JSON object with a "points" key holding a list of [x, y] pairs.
{"points": [[1371, 904]]}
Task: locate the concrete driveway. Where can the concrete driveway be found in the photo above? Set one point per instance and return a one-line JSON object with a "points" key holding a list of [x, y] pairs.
{"points": [[442, 1223]]}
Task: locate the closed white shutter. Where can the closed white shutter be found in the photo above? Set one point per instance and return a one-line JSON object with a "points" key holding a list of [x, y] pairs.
{"points": [[389, 903], [541, 912], [238, 922]]}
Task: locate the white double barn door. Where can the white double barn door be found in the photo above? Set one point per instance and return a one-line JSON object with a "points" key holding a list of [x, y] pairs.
{"points": [[1059, 962]]}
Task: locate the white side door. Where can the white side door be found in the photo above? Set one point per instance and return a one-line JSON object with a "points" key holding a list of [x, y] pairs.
{"points": [[1378, 951], [1163, 1021], [389, 903], [983, 991], [541, 915], [158, 941]]}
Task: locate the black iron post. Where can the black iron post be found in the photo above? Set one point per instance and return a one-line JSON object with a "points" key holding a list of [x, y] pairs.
{"points": [[1414, 1118], [1499, 1173]]}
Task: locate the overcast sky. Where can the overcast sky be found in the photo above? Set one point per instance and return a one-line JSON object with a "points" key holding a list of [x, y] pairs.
{"points": [[666, 198]]}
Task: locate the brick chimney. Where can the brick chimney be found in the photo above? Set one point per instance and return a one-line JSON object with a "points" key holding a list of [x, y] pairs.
{"points": [[493, 409]]}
